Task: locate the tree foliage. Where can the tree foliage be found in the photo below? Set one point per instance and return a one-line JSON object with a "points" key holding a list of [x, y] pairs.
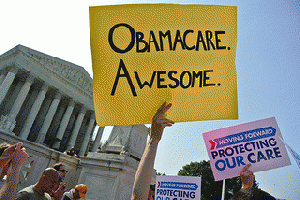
{"points": [[211, 189]]}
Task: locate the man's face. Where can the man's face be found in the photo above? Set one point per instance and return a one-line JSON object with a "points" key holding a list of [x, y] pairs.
{"points": [[51, 182]]}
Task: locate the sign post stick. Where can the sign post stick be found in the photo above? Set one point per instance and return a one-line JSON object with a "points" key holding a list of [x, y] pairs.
{"points": [[223, 190]]}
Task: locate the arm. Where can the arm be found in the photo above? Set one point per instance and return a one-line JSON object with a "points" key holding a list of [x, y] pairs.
{"points": [[247, 177], [9, 189], [145, 169]]}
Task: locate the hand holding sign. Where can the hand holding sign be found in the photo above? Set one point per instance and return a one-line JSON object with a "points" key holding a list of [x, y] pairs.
{"points": [[144, 171], [231, 149], [247, 177], [159, 123]]}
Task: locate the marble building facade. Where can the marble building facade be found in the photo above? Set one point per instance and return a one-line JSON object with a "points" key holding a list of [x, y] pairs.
{"points": [[46, 100], [47, 103]]}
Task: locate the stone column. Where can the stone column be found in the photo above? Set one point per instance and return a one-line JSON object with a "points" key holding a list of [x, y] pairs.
{"points": [[77, 126], [56, 120], [97, 139], [33, 112], [87, 137], [10, 77], [64, 123], [48, 118], [2, 78], [21, 97]]}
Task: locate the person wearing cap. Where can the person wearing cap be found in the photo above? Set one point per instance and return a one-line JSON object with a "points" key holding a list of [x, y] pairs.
{"points": [[77, 193]]}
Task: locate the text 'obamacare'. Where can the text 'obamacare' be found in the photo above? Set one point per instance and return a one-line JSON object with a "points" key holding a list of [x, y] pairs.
{"points": [[202, 40]]}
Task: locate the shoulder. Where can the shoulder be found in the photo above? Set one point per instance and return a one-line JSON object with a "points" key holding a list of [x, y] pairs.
{"points": [[24, 193], [27, 189]]}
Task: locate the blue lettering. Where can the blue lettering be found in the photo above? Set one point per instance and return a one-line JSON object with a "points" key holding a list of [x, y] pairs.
{"points": [[233, 163], [239, 160], [214, 154], [250, 159], [217, 165], [260, 156], [277, 152], [236, 161]]}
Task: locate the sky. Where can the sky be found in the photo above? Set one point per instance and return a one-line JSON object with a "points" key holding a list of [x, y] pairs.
{"points": [[267, 64]]}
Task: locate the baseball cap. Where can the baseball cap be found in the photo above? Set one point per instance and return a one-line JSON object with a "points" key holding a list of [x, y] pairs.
{"points": [[82, 189]]}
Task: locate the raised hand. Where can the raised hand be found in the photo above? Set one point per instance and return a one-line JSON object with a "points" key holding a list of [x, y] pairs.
{"points": [[159, 123], [247, 176], [144, 171], [20, 155]]}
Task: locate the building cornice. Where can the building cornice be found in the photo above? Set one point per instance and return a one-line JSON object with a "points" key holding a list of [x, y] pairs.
{"points": [[69, 74]]}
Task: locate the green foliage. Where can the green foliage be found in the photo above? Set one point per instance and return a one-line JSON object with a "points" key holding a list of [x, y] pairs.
{"points": [[210, 189]]}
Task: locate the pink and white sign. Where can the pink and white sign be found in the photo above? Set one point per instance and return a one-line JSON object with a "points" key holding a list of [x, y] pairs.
{"points": [[177, 188], [257, 143]]}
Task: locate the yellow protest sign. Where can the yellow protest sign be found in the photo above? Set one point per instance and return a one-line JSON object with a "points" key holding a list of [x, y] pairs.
{"points": [[145, 54]]}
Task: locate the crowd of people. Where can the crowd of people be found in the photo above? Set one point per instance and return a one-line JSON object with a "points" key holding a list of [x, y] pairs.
{"points": [[51, 184]]}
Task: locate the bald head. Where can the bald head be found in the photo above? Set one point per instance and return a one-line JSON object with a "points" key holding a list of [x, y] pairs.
{"points": [[50, 172], [48, 181]]}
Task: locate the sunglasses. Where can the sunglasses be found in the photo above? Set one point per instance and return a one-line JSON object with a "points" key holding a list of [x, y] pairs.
{"points": [[65, 171]]}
